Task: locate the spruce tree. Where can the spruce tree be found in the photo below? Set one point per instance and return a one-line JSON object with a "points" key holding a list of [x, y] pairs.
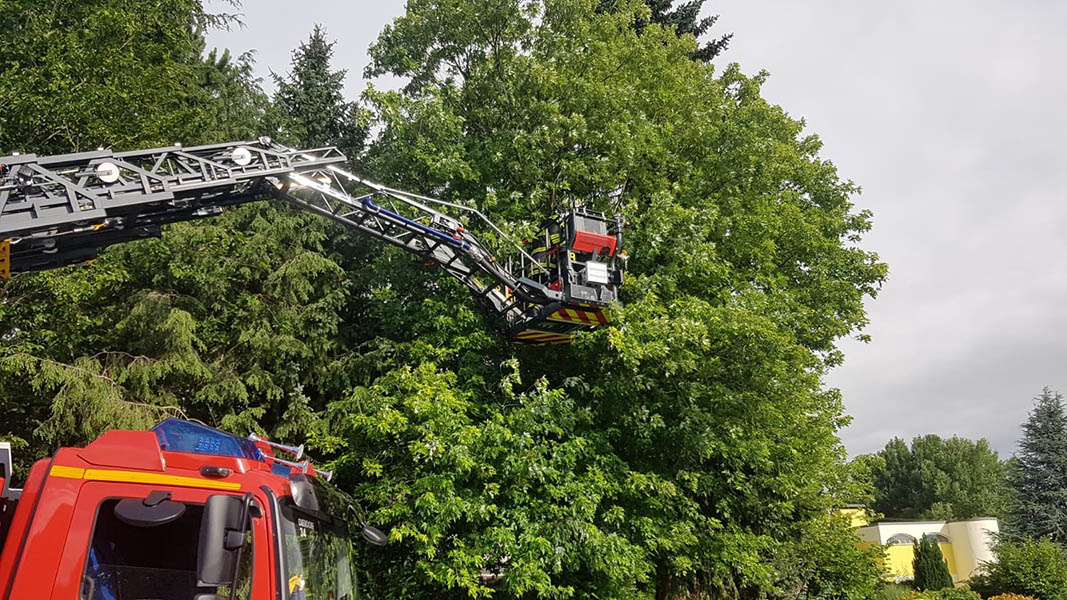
{"points": [[1039, 473], [685, 19], [310, 103], [931, 570]]}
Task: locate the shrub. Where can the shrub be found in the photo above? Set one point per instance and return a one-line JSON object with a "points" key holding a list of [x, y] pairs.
{"points": [[1029, 567], [960, 593], [931, 570], [903, 593], [891, 591], [1012, 597]]}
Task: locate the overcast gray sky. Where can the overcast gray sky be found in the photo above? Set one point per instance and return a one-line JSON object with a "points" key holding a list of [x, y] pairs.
{"points": [[952, 116]]}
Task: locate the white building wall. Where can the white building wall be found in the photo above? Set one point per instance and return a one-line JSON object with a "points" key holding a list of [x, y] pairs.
{"points": [[972, 541]]}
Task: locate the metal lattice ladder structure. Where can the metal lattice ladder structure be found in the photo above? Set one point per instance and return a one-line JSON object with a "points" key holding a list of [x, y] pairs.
{"points": [[62, 210]]}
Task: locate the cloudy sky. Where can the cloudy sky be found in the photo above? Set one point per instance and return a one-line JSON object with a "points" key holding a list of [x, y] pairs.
{"points": [[952, 116]]}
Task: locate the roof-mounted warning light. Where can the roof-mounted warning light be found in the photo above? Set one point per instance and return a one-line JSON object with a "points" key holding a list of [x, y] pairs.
{"points": [[176, 435]]}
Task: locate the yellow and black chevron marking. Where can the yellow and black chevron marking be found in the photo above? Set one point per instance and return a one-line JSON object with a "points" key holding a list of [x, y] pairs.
{"points": [[585, 317], [5, 259], [532, 336]]}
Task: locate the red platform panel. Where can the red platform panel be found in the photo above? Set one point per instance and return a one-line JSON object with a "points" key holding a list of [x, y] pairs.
{"points": [[587, 241]]}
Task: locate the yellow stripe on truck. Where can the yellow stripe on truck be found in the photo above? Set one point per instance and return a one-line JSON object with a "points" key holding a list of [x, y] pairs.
{"points": [[140, 477], [5, 259], [67, 472]]}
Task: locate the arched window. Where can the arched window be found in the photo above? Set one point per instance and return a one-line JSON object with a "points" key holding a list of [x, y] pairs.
{"points": [[937, 537], [901, 539]]}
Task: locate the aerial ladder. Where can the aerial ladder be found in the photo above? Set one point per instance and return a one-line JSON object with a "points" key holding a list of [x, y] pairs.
{"points": [[62, 210]]}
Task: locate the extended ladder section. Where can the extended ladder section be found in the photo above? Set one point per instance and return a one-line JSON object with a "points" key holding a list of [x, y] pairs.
{"points": [[61, 210]]}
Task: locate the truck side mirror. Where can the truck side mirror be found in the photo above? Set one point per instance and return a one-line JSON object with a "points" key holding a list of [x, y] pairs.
{"points": [[374, 535], [222, 535], [369, 533]]}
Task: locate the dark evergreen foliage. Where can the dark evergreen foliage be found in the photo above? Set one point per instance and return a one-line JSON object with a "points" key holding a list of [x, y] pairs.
{"points": [[931, 570], [311, 104], [684, 19], [1038, 474]]}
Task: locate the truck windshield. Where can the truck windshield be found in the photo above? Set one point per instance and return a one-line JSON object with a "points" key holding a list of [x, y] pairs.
{"points": [[319, 555]]}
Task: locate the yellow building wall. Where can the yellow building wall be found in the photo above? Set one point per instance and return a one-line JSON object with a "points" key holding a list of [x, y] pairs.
{"points": [[857, 517], [899, 559]]}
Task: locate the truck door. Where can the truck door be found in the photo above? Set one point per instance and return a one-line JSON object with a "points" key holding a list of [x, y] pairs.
{"points": [[148, 546]]}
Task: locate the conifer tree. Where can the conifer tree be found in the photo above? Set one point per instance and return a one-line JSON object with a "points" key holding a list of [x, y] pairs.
{"points": [[931, 570], [685, 19], [1039, 473], [310, 100]]}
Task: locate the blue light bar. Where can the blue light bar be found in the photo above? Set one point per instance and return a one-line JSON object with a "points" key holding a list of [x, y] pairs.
{"points": [[177, 435]]}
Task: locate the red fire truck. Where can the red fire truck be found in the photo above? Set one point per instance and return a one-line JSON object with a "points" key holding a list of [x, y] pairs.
{"points": [[181, 512]]}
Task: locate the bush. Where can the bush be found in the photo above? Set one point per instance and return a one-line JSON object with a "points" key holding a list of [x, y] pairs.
{"points": [[931, 570], [1012, 597], [891, 591], [827, 563], [902, 593], [960, 593], [1029, 567]]}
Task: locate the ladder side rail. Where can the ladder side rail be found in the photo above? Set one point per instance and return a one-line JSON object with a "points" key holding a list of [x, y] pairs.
{"points": [[364, 215], [44, 193], [359, 221], [413, 199], [466, 244]]}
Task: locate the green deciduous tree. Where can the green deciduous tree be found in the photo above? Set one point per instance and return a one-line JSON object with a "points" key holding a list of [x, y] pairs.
{"points": [[83, 74], [689, 450], [707, 394], [1039, 472], [1036, 568], [938, 478], [931, 570]]}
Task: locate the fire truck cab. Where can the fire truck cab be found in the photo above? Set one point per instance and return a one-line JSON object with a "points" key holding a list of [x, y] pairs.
{"points": [[181, 512]]}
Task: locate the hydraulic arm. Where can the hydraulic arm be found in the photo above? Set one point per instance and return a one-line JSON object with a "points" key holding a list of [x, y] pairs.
{"points": [[61, 210]]}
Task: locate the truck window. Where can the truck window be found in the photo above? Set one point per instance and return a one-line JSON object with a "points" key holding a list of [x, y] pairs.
{"points": [[128, 562]]}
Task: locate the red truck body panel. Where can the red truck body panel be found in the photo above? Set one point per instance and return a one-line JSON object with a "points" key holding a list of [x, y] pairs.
{"points": [[45, 553]]}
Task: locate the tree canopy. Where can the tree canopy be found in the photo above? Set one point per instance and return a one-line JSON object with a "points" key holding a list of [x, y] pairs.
{"points": [[937, 478], [105, 73], [685, 19], [312, 111], [689, 449], [1038, 476]]}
